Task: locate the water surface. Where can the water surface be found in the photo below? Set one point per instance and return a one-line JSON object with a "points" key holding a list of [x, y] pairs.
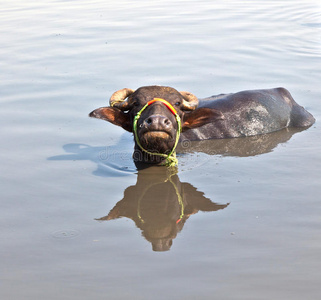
{"points": [[79, 221]]}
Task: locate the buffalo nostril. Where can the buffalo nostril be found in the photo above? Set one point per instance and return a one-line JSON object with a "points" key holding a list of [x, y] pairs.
{"points": [[167, 122], [157, 122]]}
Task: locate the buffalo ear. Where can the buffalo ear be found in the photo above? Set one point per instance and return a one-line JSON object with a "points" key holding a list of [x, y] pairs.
{"points": [[113, 115], [200, 117]]}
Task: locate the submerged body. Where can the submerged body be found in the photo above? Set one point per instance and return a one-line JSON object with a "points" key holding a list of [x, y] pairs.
{"points": [[251, 113]]}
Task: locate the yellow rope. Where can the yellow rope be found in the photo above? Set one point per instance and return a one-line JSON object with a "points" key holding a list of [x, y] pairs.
{"points": [[170, 159]]}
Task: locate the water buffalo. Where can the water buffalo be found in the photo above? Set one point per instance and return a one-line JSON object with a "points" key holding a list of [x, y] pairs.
{"points": [[161, 116]]}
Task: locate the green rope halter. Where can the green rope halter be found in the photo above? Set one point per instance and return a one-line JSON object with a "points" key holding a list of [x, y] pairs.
{"points": [[170, 159]]}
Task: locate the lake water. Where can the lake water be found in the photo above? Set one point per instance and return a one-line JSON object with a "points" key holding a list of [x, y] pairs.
{"points": [[77, 219]]}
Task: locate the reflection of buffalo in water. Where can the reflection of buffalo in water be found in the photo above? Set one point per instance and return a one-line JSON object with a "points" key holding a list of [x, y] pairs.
{"points": [[241, 147], [160, 204]]}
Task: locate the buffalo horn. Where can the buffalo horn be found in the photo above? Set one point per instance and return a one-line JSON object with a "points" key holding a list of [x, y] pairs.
{"points": [[117, 99], [190, 101]]}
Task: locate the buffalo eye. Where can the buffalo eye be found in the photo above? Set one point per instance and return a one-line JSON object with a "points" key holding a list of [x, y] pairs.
{"points": [[178, 103]]}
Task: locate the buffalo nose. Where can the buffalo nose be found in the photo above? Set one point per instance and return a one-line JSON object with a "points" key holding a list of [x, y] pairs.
{"points": [[157, 121]]}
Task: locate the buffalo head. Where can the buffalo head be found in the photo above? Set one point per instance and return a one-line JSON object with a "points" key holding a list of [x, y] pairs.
{"points": [[156, 129]]}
